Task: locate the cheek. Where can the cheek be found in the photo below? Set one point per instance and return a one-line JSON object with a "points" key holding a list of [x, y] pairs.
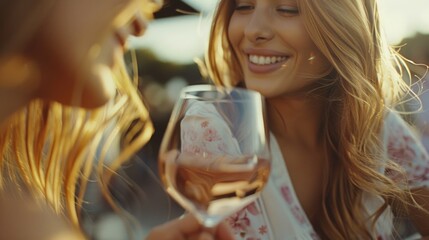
{"points": [[311, 59], [314, 62], [320, 64], [235, 31], [77, 52]]}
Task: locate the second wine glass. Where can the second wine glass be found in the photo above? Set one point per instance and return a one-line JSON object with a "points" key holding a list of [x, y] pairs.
{"points": [[214, 158]]}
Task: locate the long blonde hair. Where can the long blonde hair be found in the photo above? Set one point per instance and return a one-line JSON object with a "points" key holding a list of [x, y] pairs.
{"points": [[49, 150], [366, 80]]}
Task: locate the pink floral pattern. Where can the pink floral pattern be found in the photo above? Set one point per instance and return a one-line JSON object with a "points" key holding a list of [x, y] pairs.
{"points": [[263, 229], [248, 223], [287, 195], [293, 203], [203, 136], [206, 135], [401, 146], [405, 149], [204, 132]]}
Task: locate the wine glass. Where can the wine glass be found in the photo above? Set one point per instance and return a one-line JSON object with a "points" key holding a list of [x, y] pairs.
{"points": [[214, 158]]}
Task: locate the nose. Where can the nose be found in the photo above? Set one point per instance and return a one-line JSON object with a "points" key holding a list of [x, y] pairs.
{"points": [[258, 29]]}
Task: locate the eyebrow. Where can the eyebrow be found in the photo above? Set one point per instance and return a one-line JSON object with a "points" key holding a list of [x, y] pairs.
{"points": [[294, 1]]}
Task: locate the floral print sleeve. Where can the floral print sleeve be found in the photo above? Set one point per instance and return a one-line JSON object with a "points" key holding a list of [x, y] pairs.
{"points": [[277, 214], [404, 148], [204, 132], [249, 223]]}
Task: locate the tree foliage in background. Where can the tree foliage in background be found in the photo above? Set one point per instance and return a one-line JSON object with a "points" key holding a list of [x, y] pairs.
{"points": [[151, 68]]}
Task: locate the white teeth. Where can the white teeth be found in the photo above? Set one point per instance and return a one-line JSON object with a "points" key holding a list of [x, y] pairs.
{"points": [[265, 60]]}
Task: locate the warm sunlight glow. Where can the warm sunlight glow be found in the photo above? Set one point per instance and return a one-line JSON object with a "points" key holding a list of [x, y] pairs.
{"points": [[181, 39]]}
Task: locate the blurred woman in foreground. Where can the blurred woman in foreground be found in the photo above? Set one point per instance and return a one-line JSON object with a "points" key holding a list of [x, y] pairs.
{"points": [[62, 82]]}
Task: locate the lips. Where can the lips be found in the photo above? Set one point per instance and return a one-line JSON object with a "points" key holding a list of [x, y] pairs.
{"points": [[265, 61]]}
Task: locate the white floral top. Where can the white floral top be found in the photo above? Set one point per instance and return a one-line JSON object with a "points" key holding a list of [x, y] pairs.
{"points": [[278, 213]]}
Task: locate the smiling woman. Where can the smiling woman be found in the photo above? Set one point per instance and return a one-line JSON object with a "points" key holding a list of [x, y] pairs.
{"points": [[70, 65], [343, 159], [292, 49]]}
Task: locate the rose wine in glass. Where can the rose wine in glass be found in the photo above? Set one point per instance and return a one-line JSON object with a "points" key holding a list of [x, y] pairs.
{"points": [[214, 158]]}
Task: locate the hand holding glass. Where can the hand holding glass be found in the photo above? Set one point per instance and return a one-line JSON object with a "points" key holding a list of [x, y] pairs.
{"points": [[214, 158]]}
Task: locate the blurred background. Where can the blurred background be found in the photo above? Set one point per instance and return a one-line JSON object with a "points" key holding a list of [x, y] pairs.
{"points": [[167, 57]]}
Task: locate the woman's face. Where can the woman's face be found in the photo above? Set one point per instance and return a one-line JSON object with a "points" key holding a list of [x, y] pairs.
{"points": [[275, 51], [78, 44]]}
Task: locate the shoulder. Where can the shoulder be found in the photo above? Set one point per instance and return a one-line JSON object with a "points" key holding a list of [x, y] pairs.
{"points": [[396, 129], [404, 147], [399, 139], [394, 119]]}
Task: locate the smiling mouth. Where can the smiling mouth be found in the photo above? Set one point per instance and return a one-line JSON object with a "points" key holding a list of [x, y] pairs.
{"points": [[266, 60]]}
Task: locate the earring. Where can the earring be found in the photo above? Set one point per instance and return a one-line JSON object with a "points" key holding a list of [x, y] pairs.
{"points": [[311, 58]]}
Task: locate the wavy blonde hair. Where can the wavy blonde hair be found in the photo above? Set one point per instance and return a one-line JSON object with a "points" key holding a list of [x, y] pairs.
{"points": [[48, 149], [366, 80]]}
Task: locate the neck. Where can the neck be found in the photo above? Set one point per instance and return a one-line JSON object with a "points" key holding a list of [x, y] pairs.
{"points": [[296, 119]]}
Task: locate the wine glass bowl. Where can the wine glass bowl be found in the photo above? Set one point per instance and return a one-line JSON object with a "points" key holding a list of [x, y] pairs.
{"points": [[214, 158]]}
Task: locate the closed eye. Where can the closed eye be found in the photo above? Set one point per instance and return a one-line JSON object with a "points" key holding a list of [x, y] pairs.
{"points": [[244, 7], [288, 10]]}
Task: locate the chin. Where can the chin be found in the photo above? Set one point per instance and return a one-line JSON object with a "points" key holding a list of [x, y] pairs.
{"points": [[264, 89], [99, 89], [95, 93], [86, 100], [95, 96], [92, 102]]}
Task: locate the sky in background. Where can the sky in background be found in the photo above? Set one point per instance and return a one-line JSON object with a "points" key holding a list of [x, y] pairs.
{"points": [[181, 39]]}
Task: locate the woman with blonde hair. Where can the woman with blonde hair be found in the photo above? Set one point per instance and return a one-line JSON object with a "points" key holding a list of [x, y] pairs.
{"points": [[343, 159], [65, 98]]}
